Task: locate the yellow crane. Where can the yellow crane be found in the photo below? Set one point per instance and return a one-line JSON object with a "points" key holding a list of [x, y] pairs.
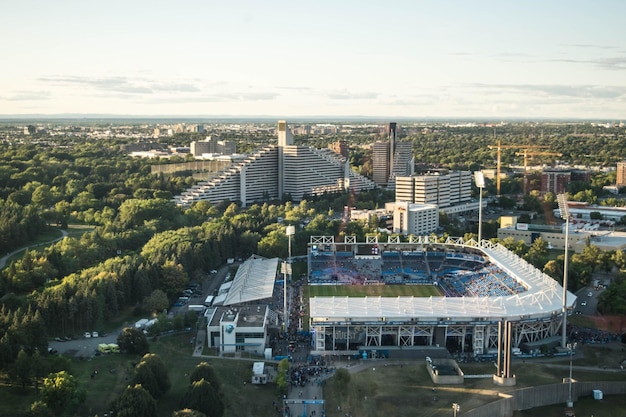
{"points": [[499, 147], [526, 153]]}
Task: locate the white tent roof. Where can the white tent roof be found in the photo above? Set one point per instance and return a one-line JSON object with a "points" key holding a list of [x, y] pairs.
{"points": [[254, 281]]}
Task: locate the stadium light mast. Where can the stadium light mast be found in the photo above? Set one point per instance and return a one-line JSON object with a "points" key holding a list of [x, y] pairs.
{"points": [[571, 347], [289, 231], [564, 210], [479, 179]]}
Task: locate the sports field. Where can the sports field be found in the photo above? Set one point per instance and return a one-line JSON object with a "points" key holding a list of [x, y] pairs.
{"points": [[373, 290]]}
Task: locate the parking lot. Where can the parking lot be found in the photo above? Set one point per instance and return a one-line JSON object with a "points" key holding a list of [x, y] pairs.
{"points": [[82, 347]]}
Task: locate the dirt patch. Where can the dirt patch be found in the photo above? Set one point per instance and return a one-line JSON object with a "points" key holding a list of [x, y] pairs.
{"points": [[613, 324]]}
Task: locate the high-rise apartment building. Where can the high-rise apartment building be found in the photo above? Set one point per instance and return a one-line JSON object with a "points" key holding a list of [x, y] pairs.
{"points": [[444, 190], [621, 174], [340, 147], [555, 181], [391, 159], [212, 145], [276, 171]]}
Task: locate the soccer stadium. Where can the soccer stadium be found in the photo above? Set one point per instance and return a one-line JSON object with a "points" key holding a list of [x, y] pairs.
{"points": [[378, 296]]}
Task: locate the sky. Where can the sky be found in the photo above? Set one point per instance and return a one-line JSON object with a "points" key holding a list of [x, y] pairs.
{"points": [[406, 59]]}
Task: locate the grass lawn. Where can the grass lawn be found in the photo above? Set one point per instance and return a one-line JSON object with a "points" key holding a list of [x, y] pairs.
{"points": [[373, 290], [407, 391], [613, 406], [378, 390], [16, 399]]}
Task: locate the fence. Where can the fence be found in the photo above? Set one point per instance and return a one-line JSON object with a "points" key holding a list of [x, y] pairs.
{"points": [[540, 396]]}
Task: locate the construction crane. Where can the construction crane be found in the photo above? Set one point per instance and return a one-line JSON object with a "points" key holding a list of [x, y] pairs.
{"points": [[526, 153], [499, 147]]}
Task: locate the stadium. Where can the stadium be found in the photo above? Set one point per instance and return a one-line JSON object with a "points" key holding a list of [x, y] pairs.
{"points": [[372, 297]]}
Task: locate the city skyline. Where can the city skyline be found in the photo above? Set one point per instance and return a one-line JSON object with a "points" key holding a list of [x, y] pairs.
{"points": [[400, 59]]}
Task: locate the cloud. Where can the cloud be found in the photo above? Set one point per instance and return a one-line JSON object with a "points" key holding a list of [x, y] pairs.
{"points": [[346, 95], [567, 91], [589, 46], [27, 96], [111, 84], [173, 91], [612, 63], [126, 85]]}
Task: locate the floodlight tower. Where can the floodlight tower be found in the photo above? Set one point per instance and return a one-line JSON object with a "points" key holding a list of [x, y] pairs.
{"points": [[479, 179], [289, 231], [564, 209], [571, 347]]}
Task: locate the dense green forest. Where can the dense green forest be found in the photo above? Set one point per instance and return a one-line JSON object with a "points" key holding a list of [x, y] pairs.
{"points": [[141, 244]]}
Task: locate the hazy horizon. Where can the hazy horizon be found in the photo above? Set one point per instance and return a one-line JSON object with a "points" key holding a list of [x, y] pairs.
{"points": [[484, 59]]}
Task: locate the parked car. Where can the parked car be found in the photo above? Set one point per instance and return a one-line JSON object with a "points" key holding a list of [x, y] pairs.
{"points": [[87, 335], [94, 334]]}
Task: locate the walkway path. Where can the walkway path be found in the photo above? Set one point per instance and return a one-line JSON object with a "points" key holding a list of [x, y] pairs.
{"points": [[5, 258]]}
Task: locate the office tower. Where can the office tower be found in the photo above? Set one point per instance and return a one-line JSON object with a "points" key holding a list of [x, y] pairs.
{"points": [[390, 159]]}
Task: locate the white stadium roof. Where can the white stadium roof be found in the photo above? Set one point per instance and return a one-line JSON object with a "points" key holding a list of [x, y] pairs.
{"points": [[254, 281], [543, 298]]}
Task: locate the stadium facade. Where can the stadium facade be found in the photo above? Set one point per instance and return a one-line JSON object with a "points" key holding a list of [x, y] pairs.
{"points": [[481, 286], [276, 171]]}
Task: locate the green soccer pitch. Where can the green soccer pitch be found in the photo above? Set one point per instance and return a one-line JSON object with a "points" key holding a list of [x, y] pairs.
{"points": [[373, 291]]}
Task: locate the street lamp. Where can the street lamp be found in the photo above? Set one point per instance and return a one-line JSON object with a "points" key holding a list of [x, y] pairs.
{"points": [[564, 209], [479, 179], [289, 231], [571, 347], [455, 408]]}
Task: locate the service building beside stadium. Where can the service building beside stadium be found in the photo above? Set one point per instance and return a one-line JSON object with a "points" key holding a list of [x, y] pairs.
{"points": [[482, 286]]}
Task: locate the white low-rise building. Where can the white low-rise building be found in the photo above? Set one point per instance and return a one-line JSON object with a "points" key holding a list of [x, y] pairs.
{"points": [[415, 219]]}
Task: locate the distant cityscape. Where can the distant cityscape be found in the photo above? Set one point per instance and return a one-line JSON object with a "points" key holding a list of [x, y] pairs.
{"points": [[275, 167]]}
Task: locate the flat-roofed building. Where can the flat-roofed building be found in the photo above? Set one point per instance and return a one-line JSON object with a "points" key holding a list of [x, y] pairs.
{"points": [[444, 190], [415, 219]]}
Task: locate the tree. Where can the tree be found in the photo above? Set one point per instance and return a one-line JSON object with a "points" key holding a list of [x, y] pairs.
{"points": [[57, 391], [21, 370], [188, 413], [173, 278], [205, 371], [151, 374], [133, 341], [282, 375], [537, 253], [42, 196], [134, 402], [554, 268], [156, 302], [204, 397], [40, 409]]}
